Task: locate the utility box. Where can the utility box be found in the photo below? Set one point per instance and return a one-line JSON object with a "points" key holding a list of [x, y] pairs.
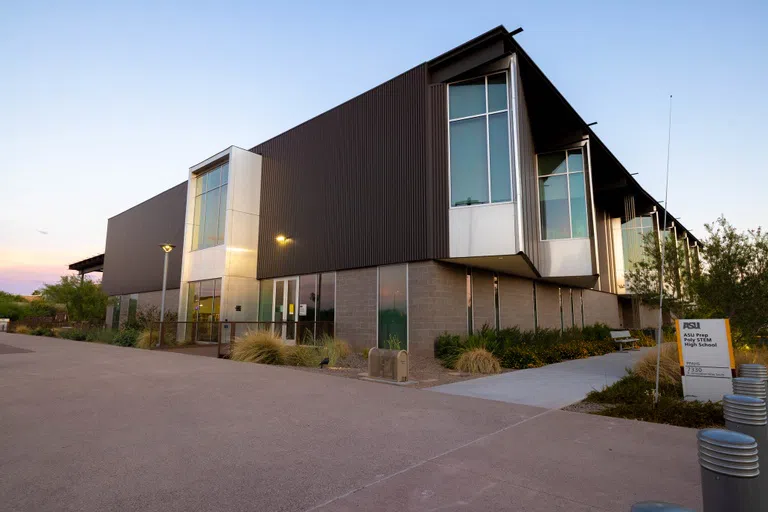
{"points": [[4, 322], [388, 364]]}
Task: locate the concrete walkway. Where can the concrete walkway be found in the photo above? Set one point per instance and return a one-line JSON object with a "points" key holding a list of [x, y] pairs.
{"points": [[89, 427], [553, 386]]}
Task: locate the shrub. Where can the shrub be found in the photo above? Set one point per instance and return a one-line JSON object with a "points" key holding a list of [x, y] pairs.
{"points": [[669, 372], [448, 349], [258, 347], [72, 334], [41, 331], [301, 355], [22, 329], [126, 338], [478, 360], [633, 389], [520, 358], [365, 353], [101, 335], [146, 340], [672, 411], [335, 349], [751, 354]]}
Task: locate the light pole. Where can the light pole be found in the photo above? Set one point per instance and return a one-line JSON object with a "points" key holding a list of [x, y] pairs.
{"points": [[167, 248]]}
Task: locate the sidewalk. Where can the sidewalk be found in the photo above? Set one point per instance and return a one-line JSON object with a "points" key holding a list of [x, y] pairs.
{"points": [[553, 386]]}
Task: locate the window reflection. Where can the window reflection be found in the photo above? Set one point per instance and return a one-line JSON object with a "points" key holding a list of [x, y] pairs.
{"points": [[210, 208]]}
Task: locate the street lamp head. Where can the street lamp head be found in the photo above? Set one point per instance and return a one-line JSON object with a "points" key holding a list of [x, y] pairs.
{"points": [[167, 247]]}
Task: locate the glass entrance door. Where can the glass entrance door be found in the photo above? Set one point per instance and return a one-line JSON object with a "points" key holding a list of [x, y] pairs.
{"points": [[286, 297]]}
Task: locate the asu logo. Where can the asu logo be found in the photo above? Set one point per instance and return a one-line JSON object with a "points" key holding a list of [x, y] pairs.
{"points": [[691, 325]]}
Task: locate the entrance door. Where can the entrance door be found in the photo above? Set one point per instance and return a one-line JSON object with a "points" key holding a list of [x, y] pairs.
{"points": [[286, 296]]}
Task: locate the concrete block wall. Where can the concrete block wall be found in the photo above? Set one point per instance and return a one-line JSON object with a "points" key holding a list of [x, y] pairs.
{"points": [[548, 305], [602, 307], [483, 307], [149, 299], [516, 302], [437, 303], [356, 295]]}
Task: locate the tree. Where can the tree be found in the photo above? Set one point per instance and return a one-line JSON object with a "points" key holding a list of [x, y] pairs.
{"points": [[85, 301], [731, 281]]}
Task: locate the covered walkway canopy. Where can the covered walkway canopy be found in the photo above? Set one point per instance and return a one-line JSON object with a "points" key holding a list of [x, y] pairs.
{"points": [[88, 265]]}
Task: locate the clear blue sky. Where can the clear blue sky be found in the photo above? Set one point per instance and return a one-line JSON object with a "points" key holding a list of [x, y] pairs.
{"points": [[105, 105]]}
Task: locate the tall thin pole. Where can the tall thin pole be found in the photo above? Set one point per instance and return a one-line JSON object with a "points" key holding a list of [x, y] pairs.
{"points": [[661, 275], [162, 300]]}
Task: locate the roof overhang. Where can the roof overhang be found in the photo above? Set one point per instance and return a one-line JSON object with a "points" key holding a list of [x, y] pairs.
{"points": [[514, 264], [92, 264]]}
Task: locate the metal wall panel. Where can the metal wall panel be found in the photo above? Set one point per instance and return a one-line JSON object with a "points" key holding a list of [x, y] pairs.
{"points": [[528, 178], [354, 187], [133, 260]]}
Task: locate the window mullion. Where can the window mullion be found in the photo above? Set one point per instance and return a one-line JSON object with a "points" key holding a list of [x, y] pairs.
{"points": [[568, 184], [488, 144]]}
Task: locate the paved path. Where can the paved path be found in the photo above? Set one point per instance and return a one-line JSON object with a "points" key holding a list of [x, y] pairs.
{"points": [[553, 386], [88, 427]]}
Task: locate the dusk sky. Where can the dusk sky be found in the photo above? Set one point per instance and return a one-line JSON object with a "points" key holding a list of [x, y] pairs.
{"points": [[104, 105]]}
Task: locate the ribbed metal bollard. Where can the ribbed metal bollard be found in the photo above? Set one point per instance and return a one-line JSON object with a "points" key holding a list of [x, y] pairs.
{"points": [[729, 471], [658, 506], [748, 415], [754, 371], [749, 387]]}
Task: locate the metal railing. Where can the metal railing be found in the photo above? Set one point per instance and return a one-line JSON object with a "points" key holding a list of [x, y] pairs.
{"points": [[224, 333]]}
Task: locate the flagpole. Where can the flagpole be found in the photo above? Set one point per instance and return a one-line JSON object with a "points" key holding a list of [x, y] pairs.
{"points": [[663, 229]]}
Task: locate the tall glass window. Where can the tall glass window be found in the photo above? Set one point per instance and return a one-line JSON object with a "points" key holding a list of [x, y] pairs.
{"points": [[265, 300], [393, 307], [203, 307], [133, 306], [116, 311], [562, 195], [210, 207], [632, 233], [470, 315], [326, 301], [479, 141]]}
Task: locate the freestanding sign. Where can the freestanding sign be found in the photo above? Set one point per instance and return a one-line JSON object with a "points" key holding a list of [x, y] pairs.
{"points": [[706, 358]]}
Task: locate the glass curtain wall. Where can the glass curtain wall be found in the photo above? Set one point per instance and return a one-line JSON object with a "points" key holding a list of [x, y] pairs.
{"points": [[315, 309], [632, 233], [210, 207], [480, 159], [116, 312], [203, 307], [393, 307], [562, 195], [133, 306]]}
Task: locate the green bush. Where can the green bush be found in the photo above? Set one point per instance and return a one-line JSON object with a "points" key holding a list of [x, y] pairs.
{"points": [[520, 358], [448, 349], [126, 338], [73, 334], [42, 331], [101, 335], [633, 389]]}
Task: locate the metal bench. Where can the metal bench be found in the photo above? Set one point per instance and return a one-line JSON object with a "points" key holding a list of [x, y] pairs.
{"points": [[622, 338]]}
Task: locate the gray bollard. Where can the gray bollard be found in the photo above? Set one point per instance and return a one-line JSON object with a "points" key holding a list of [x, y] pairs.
{"points": [[658, 506], [754, 371], [749, 387], [729, 470], [748, 415]]}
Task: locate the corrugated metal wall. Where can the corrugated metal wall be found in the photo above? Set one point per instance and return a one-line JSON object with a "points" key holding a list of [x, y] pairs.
{"points": [[438, 169], [133, 261], [528, 180], [356, 186]]}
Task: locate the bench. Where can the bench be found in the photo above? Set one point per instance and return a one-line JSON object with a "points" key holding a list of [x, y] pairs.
{"points": [[622, 338]]}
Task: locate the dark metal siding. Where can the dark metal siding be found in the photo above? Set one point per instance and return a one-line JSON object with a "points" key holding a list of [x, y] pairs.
{"points": [[133, 260], [528, 180], [438, 165], [353, 187]]}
